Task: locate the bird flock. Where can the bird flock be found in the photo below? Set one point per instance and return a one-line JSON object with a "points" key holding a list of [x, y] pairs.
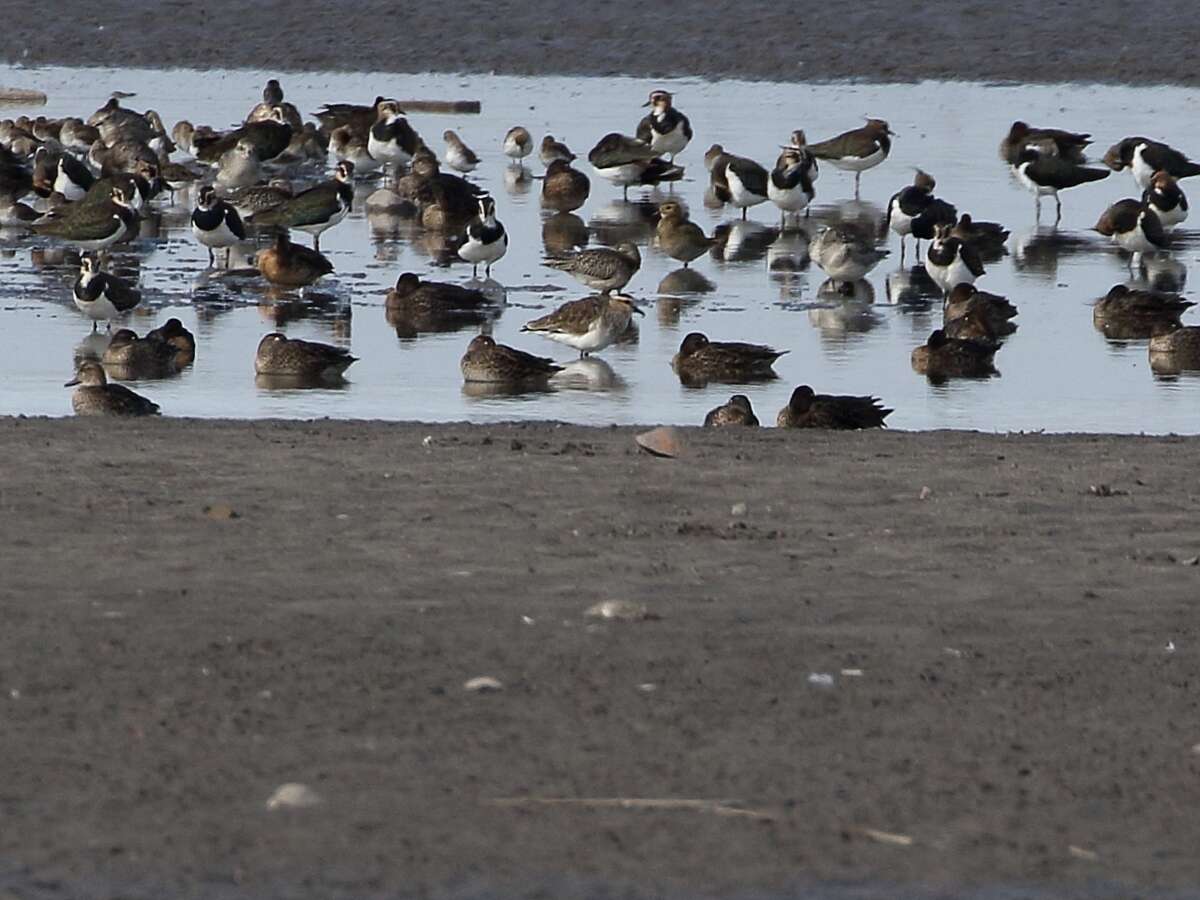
{"points": [[89, 182]]}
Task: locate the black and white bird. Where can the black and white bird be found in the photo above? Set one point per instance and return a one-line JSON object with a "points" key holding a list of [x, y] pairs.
{"points": [[73, 178], [915, 205], [665, 128], [626, 161], [101, 296], [857, 150], [1166, 199], [736, 179], [316, 210], [1047, 175], [1069, 145], [790, 186], [1143, 157], [1133, 226], [487, 241], [391, 140], [216, 224], [950, 261]]}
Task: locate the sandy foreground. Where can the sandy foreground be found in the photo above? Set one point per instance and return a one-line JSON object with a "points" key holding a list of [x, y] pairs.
{"points": [[881, 40], [198, 612]]}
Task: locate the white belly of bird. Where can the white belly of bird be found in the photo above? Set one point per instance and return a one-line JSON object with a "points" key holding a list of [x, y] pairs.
{"points": [[67, 187], [100, 309], [317, 228], [739, 194], [602, 332], [788, 199], [101, 243], [899, 221], [220, 236], [476, 252], [515, 149], [458, 160], [860, 163], [1031, 185], [841, 265], [1134, 241], [1171, 217], [386, 152], [948, 277], [1142, 171], [630, 173], [672, 142]]}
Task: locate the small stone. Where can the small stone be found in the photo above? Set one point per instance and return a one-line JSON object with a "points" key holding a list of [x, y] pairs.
{"points": [[664, 442], [926, 493], [293, 796], [427, 441], [220, 512], [622, 610], [483, 684], [1190, 561], [820, 679], [852, 673], [648, 687], [738, 510]]}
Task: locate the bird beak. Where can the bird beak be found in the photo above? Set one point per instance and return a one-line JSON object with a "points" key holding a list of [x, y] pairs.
{"points": [[74, 381], [647, 103], [637, 309]]}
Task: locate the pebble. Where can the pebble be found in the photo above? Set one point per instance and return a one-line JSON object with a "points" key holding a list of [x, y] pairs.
{"points": [[293, 795], [820, 679], [663, 442], [483, 684], [738, 510], [623, 610]]}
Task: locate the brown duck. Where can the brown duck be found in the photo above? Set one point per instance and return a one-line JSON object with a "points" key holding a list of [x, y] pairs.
{"points": [[734, 413], [807, 409]]}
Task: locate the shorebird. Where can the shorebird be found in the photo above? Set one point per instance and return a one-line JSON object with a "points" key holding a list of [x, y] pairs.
{"points": [[1166, 199], [391, 140], [1068, 145], [256, 198], [291, 265], [602, 269], [353, 147], [1143, 157], [94, 226], [950, 261], [679, 238], [551, 150], [518, 143], [942, 357], [665, 129], [587, 325], [215, 223], [844, 254], [72, 179], [627, 161], [94, 396], [182, 341], [857, 150], [239, 167], [1132, 226], [564, 188], [1047, 175], [807, 409], [279, 355], [101, 296], [700, 360], [736, 412], [490, 363], [316, 210], [132, 357], [458, 155], [487, 241], [790, 186]]}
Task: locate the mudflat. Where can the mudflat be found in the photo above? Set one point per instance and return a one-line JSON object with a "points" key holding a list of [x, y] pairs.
{"points": [[885, 664], [879, 40]]}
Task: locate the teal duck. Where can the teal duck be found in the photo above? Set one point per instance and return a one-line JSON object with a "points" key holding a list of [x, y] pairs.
{"points": [[181, 341], [700, 360], [945, 357], [411, 293], [94, 396], [807, 409], [564, 188], [280, 356], [129, 357], [1128, 314], [291, 265], [734, 413], [490, 363]]}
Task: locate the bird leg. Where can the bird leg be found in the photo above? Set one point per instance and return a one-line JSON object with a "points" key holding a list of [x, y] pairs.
{"points": [[857, 178], [1037, 208], [1057, 209], [745, 209], [317, 242], [212, 259], [902, 246]]}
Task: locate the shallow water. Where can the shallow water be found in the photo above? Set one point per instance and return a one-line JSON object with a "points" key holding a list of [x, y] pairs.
{"points": [[1058, 372]]}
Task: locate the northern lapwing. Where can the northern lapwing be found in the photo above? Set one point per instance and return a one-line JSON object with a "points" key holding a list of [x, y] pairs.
{"points": [[216, 224], [1133, 226], [665, 129], [487, 241], [1166, 199], [1069, 145], [316, 210], [1047, 175], [95, 225], [950, 261], [627, 161], [790, 186], [857, 150], [100, 296], [1143, 157]]}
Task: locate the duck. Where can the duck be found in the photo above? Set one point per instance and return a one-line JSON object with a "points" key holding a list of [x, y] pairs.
{"points": [[857, 150], [844, 254], [665, 129], [173, 334], [518, 143], [458, 155], [965, 300], [94, 396], [552, 149], [807, 409], [215, 224], [1068, 145], [487, 241], [487, 362], [588, 325], [356, 116], [136, 358], [700, 360], [1125, 313], [353, 147], [1047, 175], [1143, 157], [628, 161], [269, 138], [950, 261], [101, 296], [565, 188], [1132, 226], [790, 186], [291, 265], [411, 293], [95, 225], [1166, 200], [736, 412], [603, 269], [678, 237], [944, 357], [317, 209], [988, 238], [291, 357]]}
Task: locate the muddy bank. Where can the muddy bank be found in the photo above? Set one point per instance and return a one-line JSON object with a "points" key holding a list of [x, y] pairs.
{"points": [[879, 40], [1016, 716]]}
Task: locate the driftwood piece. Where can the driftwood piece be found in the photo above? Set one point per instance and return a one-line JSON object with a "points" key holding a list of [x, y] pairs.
{"points": [[441, 106], [25, 95]]}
